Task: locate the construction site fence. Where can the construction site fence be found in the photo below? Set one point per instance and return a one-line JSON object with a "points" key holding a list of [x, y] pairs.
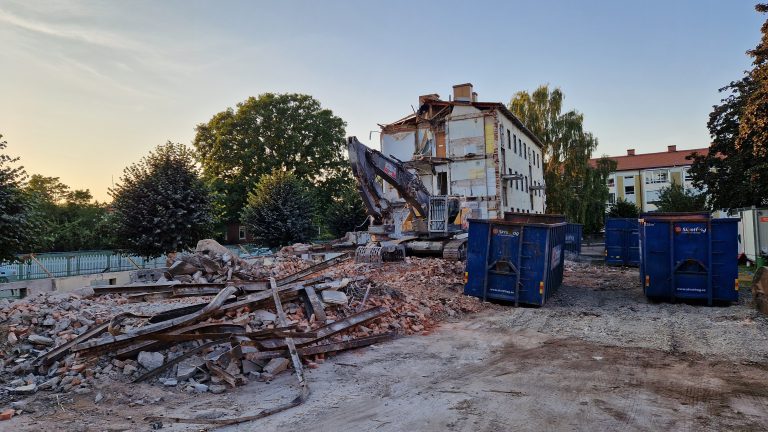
{"points": [[63, 264]]}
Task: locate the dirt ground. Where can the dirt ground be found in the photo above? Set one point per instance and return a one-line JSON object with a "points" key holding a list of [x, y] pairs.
{"points": [[598, 356]]}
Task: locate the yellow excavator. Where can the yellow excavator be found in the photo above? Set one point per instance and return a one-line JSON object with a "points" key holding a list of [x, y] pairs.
{"points": [[420, 224]]}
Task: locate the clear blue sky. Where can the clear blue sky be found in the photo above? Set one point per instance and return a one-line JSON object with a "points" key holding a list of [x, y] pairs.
{"points": [[90, 87]]}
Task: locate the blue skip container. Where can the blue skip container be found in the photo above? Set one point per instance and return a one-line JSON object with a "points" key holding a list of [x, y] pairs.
{"points": [[689, 256], [573, 233], [514, 261], [622, 242]]}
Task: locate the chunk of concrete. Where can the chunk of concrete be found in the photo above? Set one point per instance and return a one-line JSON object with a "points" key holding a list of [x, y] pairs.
{"points": [[188, 367], [263, 315], [23, 390], [334, 297], [217, 389], [249, 366], [151, 360], [276, 365]]}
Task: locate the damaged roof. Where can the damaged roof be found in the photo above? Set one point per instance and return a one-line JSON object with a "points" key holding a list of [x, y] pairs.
{"points": [[447, 107]]}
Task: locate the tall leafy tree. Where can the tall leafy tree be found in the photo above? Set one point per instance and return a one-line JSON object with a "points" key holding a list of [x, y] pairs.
{"points": [[279, 210], [161, 204], [738, 129], [69, 219], [18, 228], [346, 212], [574, 188], [592, 210], [676, 199], [623, 209], [289, 132], [753, 129]]}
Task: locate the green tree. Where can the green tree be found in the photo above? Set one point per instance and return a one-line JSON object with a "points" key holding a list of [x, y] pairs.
{"points": [[593, 210], [161, 204], [738, 129], [18, 228], [289, 132], [753, 128], [623, 209], [48, 189], [676, 199], [68, 219], [574, 188], [346, 212], [280, 210]]}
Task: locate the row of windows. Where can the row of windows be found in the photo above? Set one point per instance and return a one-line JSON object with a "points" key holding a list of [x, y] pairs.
{"points": [[652, 177], [651, 196], [520, 148]]}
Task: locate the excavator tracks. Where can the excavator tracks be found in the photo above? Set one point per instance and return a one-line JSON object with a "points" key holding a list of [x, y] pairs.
{"points": [[455, 250]]}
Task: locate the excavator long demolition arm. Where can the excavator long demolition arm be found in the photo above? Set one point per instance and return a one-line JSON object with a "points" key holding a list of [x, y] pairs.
{"points": [[368, 163]]}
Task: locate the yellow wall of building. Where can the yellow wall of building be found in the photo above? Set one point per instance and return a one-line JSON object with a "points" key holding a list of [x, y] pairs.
{"points": [[619, 187]]}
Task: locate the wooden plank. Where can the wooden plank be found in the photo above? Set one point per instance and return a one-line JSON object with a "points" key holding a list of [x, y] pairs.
{"points": [[315, 304], [33, 258]]}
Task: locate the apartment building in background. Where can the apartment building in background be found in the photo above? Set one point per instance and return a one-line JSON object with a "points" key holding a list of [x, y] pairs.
{"points": [[639, 177]]}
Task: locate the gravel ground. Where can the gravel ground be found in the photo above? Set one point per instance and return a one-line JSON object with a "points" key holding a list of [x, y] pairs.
{"points": [[606, 305]]}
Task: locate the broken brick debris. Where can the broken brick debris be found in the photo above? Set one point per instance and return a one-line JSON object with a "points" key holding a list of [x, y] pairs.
{"points": [[241, 328]]}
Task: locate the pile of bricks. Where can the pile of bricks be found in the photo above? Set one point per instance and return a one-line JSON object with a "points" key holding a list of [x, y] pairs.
{"points": [[350, 305]]}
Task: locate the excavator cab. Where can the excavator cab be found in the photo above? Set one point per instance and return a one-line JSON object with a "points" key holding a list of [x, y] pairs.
{"points": [[443, 211]]}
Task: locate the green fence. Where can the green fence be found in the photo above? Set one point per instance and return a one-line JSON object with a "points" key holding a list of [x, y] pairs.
{"points": [[62, 264]]}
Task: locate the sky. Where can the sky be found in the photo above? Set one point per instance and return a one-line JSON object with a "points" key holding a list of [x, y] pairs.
{"points": [[90, 87]]}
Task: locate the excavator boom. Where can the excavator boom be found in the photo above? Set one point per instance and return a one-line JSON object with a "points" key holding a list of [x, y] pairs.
{"points": [[368, 163]]}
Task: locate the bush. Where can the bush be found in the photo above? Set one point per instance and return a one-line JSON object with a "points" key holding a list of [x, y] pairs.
{"points": [[676, 199], [279, 211], [161, 204], [346, 212], [623, 209]]}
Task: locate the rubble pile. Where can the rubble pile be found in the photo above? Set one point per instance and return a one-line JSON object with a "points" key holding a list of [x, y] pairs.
{"points": [[248, 328], [419, 292], [211, 263]]}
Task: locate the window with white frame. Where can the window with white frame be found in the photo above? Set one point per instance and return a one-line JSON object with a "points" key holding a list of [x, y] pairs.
{"points": [[687, 175], [241, 233], [629, 185], [652, 196], [611, 182], [657, 176], [611, 197]]}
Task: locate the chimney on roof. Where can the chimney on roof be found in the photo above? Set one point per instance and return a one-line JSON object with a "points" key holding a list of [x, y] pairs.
{"points": [[630, 152], [462, 92], [672, 148], [426, 97], [474, 96]]}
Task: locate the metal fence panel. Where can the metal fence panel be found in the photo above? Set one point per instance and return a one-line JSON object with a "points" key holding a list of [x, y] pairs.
{"points": [[62, 264]]}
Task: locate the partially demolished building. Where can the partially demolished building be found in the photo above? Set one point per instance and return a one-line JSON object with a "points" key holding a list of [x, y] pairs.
{"points": [[476, 150]]}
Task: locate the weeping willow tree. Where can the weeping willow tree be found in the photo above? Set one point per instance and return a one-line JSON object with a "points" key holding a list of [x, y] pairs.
{"points": [[574, 187]]}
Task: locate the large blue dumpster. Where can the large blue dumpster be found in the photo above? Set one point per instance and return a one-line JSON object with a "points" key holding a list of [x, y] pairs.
{"points": [[514, 261], [573, 233], [689, 256], [622, 242]]}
